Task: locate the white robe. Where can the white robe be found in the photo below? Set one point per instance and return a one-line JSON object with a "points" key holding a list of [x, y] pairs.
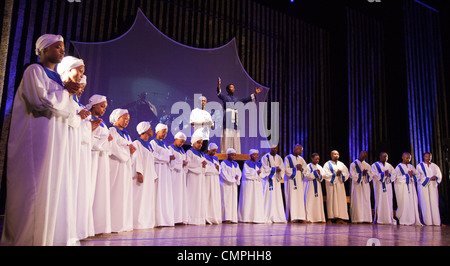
{"points": [[428, 193], [314, 201], [143, 193], [163, 185], [101, 183], [199, 116], [406, 195], [273, 198], [195, 188], [360, 205], [229, 188], [213, 197], [335, 189], [251, 196], [384, 213], [121, 183], [294, 193], [180, 205], [37, 159]]}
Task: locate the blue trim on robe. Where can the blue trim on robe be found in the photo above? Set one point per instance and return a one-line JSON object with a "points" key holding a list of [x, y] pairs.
{"points": [[253, 164], [161, 143], [95, 118], [425, 174], [382, 176], [211, 158], [51, 74], [146, 144], [407, 176], [330, 165], [316, 194], [294, 172], [231, 164], [197, 152], [271, 174], [177, 149], [123, 133]]}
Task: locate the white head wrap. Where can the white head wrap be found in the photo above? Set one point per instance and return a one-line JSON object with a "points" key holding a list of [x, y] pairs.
{"points": [[253, 151], [231, 150], [95, 99], [212, 146], [198, 135], [45, 41], [68, 63], [116, 114], [83, 80], [180, 135], [160, 127], [143, 127]]}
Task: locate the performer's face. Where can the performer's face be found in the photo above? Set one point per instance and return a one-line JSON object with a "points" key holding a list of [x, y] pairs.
{"points": [[298, 150], [198, 144], [274, 150], [123, 121], [406, 157], [334, 155], [149, 132], [54, 53], [99, 109], [76, 74], [427, 157], [383, 157], [230, 89], [81, 90], [232, 156], [254, 156], [179, 142], [204, 101], [362, 156], [162, 134], [315, 159], [212, 152]]}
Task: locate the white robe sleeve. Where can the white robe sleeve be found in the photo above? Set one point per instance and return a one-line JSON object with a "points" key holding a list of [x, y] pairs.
{"points": [[194, 164], [227, 173], [119, 146]]}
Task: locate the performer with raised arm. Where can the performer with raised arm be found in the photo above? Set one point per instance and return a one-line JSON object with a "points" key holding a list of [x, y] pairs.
{"points": [[230, 132], [361, 175]]}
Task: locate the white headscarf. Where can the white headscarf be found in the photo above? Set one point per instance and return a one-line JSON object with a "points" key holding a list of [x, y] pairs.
{"points": [[252, 151], [180, 135], [160, 127], [95, 99], [68, 63], [116, 114], [212, 146], [45, 41], [143, 127], [198, 135], [231, 150]]}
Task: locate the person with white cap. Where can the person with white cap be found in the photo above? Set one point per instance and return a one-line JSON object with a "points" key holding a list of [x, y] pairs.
{"points": [[251, 196], [230, 178], [144, 178], [164, 187], [273, 166], [179, 171], [38, 136], [212, 187], [120, 161], [201, 119], [195, 180], [100, 169], [71, 70], [296, 169]]}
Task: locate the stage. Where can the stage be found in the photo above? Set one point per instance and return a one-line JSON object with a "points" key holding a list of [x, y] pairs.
{"points": [[291, 234]]}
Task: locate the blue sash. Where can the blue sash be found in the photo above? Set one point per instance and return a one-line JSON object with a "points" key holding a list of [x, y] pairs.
{"points": [[211, 158], [425, 174], [146, 144], [123, 133], [316, 194], [75, 98], [330, 165], [52, 75], [197, 152], [253, 164], [272, 172], [177, 149], [294, 171], [95, 118], [382, 176], [407, 176], [358, 170], [161, 143]]}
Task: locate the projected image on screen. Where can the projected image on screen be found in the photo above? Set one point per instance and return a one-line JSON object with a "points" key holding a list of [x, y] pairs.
{"points": [[148, 73]]}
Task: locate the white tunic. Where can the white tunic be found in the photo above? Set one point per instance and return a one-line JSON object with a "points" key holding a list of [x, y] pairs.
{"points": [[37, 159], [273, 197], [428, 193], [335, 189], [121, 182], [163, 185], [229, 188], [180, 205], [293, 191], [382, 185], [251, 196], [406, 195], [213, 197], [313, 194], [101, 185], [360, 205], [199, 116], [195, 187], [144, 193]]}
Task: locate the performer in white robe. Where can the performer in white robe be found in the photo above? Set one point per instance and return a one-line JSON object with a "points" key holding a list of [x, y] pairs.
{"points": [[273, 168], [313, 191], [196, 180], [251, 196], [163, 185], [101, 181], [230, 178], [179, 171], [201, 119], [67, 232], [336, 173], [361, 175], [213, 197], [37, 158], [430, 177], [144, 178], [120, 163], [294, 192], [384, 175], [405, 192]]}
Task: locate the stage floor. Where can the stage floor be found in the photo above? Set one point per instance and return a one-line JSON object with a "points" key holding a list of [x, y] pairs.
{"points": [[278, 235]]}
